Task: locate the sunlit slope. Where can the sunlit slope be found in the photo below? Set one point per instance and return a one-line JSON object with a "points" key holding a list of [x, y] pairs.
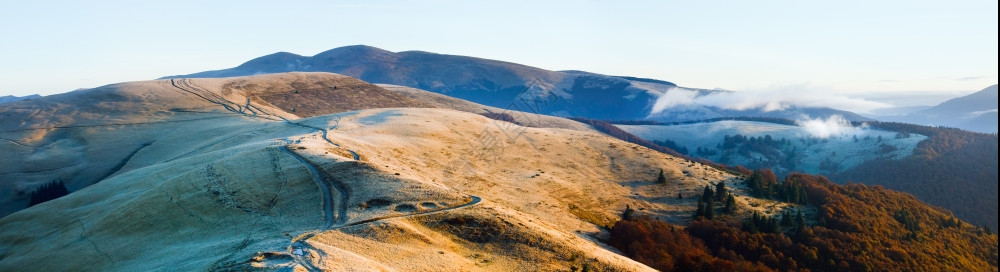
{"points": [[424, 171], [86, 136], [175, 175]]}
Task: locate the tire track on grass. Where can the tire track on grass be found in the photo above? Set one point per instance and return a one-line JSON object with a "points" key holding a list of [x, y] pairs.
{"points": [[211, 97], [324, 181]]}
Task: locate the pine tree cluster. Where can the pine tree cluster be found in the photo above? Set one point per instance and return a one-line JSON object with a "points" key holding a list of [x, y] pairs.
{"points": [[764, 184], [706, 204], [48, 191]]}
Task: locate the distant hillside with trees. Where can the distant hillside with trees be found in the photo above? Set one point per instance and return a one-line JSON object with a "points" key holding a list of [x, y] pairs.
{"points": [[952, 168], [857, 228]]}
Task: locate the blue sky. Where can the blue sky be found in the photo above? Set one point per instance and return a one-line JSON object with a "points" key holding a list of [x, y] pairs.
{"points": [[856, 48]]}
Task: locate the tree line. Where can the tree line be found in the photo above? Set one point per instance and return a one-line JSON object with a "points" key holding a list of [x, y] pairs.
{"points": [[48, 191]]}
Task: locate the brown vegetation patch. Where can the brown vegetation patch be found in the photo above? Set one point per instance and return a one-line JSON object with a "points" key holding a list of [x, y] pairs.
{"points": [[310, 97], [591, 216]]}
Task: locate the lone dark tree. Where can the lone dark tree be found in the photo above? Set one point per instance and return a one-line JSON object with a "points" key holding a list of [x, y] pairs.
{"points": [[706, 209], [628, 214], [661, 179], [730, 204], [700, 212], [720, 191], [707, 194]]}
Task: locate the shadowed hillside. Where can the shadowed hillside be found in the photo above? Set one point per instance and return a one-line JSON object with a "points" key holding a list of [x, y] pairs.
{"points": [[952, 168]]}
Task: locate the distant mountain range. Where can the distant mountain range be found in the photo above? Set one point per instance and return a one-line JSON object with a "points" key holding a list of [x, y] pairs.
{"points": [[11, 98], [973, 112], [506, 85]]}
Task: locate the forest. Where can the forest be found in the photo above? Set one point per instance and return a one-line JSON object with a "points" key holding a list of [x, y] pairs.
{"points": [[952, 168], [856, 228]]}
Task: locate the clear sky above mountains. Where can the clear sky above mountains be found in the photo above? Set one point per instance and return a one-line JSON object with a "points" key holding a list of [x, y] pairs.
{"points": [[849, 47]]}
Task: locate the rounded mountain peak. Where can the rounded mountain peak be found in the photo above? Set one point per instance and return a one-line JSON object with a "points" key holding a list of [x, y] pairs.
{"points": [[279, 59], [353, 51]]}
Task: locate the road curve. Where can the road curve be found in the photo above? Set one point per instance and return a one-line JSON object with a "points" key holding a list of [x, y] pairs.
{"points": [[475, 200], [298, 243]]}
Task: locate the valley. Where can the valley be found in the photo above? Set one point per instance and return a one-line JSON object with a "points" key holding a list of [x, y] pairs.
{"points": [[783, 148]]}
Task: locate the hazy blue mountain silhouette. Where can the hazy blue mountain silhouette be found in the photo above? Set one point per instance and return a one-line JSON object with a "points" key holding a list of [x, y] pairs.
{"points": [[974, 112], [11, 98]]}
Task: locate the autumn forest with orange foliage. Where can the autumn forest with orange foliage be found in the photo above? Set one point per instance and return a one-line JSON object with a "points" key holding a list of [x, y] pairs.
{"points": [[856, 228], [952, 168]]}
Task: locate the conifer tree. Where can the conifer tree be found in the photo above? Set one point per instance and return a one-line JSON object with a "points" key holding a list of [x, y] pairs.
{"points": [[701, 209], [772, 225], [661, 179], [720, 190], [730, 204], [707, 194], [628, 214], [800, 221], [710, 209], [786, 219]]}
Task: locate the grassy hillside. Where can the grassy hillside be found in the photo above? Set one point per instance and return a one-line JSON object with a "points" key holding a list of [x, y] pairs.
{"points": [[220, 174], [196, 176]]}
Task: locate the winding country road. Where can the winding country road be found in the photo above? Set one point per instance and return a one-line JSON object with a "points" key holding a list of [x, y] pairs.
{"points": [[298, 247], [475, 200]]}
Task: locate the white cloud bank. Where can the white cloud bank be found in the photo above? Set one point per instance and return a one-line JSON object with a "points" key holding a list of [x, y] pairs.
{"points": [[976, 113], [772, 99], [836, 125]]}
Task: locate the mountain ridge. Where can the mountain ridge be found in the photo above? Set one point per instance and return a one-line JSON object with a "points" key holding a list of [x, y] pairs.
{"points": [[974, 112], [500, 84], [11, 98]]}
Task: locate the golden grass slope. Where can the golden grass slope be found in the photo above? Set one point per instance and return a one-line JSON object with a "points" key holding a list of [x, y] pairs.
{"points": [[66, 136], [213, 186]]}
